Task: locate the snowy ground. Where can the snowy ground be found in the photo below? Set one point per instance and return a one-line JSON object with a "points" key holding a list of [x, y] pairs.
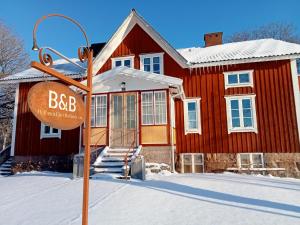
{"points": [[214, 199]]}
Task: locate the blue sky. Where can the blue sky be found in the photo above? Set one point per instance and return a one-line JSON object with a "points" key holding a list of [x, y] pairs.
{"points": [[181, 23]]}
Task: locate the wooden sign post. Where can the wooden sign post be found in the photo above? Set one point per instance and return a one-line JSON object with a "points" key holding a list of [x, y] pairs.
{"points": [[87, 53], [88, 89]]}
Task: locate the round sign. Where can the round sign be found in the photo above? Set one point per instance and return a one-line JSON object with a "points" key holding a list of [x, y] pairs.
{"points": [[56, 105]]}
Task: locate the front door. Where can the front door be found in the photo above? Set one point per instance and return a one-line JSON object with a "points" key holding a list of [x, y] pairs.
{"points": [[123, 120]]}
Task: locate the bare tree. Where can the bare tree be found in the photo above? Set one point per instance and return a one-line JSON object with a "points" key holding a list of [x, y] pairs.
{"points": [[280, 31], [13, 59]]}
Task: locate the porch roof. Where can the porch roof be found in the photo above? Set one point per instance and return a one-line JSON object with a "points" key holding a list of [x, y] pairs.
{"points": [[110, 81]]}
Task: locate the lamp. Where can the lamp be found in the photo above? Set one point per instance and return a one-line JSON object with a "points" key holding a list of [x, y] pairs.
{"points": [[123, 86], [35, 47]]}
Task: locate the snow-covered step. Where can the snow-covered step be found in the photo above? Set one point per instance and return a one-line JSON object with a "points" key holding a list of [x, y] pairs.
{"points": [[5, 168], [110, 164], [117, 154], [109, 170], [115, 159]]}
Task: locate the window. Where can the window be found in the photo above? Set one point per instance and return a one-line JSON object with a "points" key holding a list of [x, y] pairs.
{"points": [[192, 163], [152, 63], [241, 113], [154, 108], [99, 111], [49, 132], [250, 160], [239, 79], [192, 121], [123, 61], [298, 66]]}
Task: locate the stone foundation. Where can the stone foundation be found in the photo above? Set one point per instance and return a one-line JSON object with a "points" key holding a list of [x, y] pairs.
{"points": [[218, 162], [42, 163], [157, 154]]}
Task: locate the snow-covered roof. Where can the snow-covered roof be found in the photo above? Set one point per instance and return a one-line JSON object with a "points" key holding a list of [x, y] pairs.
{"points": [[239, 52], [110, 80], [59, 65]]}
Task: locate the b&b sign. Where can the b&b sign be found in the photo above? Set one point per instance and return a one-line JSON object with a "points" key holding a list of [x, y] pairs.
{"points": [[56, 105]]}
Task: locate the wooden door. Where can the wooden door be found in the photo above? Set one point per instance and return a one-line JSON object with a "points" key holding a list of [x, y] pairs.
{"points": [[123, 120]]}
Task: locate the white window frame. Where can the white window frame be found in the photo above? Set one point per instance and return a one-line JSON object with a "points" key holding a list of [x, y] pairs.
{"points": [[232, 129], [193, 161], [198, 110], [51, 134], [96, 105], [151, 56], [249, 84], [154, 110], [239, 161], [122, 59]]}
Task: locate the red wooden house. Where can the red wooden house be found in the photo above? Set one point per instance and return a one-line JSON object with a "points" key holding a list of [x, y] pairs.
{"points": [[233, 105]]}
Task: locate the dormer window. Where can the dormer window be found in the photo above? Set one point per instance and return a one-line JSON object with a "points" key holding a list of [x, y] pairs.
{"points": [[123, 61], [238, 79], [152, 63]]}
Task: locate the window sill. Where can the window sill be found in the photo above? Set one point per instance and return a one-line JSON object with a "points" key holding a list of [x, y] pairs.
{"points": [[238, 85], [192, 132], [243, 130], [50, 136]]}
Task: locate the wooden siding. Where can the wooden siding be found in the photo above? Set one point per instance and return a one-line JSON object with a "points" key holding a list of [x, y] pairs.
{"points": [[99, 136], [28, 142], [275, 106], [275, 111]]}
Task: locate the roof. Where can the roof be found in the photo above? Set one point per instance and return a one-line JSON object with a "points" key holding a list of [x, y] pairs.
{"points": [[124, 30], [60, 65], [110, 80], [240, 52]]}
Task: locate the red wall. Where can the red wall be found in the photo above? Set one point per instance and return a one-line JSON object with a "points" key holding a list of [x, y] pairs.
{"points": [[275, 110], [275, 107], [28, 142]]}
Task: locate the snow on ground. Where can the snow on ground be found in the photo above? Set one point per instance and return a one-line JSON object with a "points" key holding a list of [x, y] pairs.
{"points": [[180, 199]]}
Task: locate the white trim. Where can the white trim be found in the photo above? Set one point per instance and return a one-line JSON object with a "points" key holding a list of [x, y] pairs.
{"points": [[121, 34], [239, 163], [228, 111], [249, 84], [80, 137], [51, 135], [242, 61], [142, 122], [198, 110], [13, 138], [192, 161], [122, 59], [151, 56], [296, 92]]}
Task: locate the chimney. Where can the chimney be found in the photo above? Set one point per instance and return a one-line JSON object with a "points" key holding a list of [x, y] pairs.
{"points": [[213, 39]]}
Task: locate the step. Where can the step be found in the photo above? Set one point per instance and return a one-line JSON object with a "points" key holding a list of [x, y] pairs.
{"points": [[3, 173], [118, 155], [109, 164], [5, 169], [5, 165], [115, 159], [108, 170]]}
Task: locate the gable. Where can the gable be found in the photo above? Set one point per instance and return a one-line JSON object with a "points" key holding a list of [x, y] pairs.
{"points": [[130, 22], [135, 43]]}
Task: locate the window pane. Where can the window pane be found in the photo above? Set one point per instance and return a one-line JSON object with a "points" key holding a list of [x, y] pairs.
{"points": [[187, 159], [236, 122], [234, 104], [235, 113], [246, 103], [247, 113], [244, 78], [245, 160], [257, 160], [117, 115], [147, 108], [118, 63], [101, 110], [54, 131], [147, 68], [156, 60], [156, 68], [127, 63], [130, 111], [198, 159], [93, 112], [47, 129], [160, 107], [232, 79], [146, 61], [191, 106], [298, 66], [248, 122]]}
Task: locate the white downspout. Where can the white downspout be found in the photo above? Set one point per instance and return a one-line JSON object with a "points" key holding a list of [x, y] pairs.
{"points": [[13, 138]]}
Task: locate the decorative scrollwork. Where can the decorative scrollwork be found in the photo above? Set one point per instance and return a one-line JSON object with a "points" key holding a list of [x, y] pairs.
{"points": [[83, 53], [45, 58]]}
